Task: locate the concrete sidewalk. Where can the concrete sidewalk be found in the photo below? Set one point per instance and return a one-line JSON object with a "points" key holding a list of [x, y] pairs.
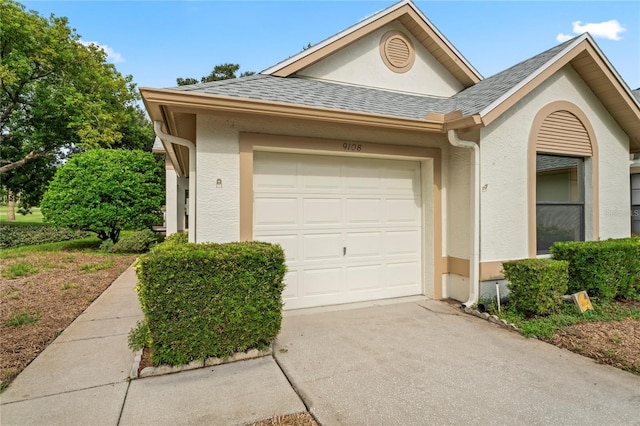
{"points": [[406, 362], [82, 378]]}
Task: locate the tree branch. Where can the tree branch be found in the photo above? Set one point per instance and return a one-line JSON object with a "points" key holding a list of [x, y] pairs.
{"points": [[30, 156]]}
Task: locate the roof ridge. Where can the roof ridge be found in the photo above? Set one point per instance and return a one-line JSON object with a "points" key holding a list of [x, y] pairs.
{"points": [[217, 82]]}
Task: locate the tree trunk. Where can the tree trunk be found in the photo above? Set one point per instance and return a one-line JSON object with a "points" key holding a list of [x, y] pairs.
{"points": [[11, 214]]}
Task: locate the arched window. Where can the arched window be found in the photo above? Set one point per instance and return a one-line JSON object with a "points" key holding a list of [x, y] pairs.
{"points": [[563, 199]]}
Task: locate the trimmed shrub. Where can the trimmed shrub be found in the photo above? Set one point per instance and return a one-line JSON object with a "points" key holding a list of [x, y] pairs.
{"points": [[177, 238], [536, 285], [138, 242], [26, 234], [605, 269], [210, 300]]}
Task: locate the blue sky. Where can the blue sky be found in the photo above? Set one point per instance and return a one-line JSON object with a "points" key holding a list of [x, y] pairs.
{"points": [[158, 41]]}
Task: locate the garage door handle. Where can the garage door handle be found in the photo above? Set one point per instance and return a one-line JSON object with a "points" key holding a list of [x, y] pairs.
{"points": [[344, 251]]}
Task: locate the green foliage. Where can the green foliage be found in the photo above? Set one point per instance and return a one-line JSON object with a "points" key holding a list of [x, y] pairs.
{"points": [[58, 95], [210, 300], [138, 242], [604, 269], [140, 336], [24, 234], [19, 269], [21, 318], [536, 285], [546, 326], [105, 191], [219, 72], [176, 239], [95, 267], [107, 246]]}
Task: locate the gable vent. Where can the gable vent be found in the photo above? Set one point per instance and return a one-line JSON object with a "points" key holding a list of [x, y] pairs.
{"points": [[563, 133], [397, 51]]}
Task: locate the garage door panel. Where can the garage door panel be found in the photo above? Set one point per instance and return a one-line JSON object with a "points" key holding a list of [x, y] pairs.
{"points": [[359, 178], [322, 247], [322, 281], [289, 244], [350, 227], [402, 211], [318, 175], [402, 243], [291, 289], [402, 274], [270, 212], [401, 180], [364, 244], [322, 211], [364, 211], [367, 277], [275, 174]]}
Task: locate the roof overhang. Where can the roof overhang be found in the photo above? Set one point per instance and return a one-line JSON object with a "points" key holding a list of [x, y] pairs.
{"points": [[596, 71], [407, 14], [178, 109], [162, 103]]}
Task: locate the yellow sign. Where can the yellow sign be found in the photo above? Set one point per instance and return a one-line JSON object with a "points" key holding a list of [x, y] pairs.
{"points": [[582, 301]]}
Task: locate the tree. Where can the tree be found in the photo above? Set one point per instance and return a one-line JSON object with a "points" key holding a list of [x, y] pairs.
{"points": [[105, 191], [57, 95], [220, 72]]}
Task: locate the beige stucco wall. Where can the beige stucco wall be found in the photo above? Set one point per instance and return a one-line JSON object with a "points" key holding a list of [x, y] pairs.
{"points": [[218, 208], [504, 166], [360, 63]]}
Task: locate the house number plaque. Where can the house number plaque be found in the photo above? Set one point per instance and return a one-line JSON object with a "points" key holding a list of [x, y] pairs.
{"points": [[352, 147]]}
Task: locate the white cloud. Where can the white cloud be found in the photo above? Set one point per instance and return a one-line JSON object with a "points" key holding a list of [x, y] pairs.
{"points": [[112, 55], [561, 38], [610, 30]]}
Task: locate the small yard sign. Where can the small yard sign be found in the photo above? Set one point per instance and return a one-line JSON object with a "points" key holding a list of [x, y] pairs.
{"points": [[582, 301]]}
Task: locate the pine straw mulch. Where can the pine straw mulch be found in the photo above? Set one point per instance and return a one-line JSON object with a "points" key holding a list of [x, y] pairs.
{"points": [[62, 287], [615, 343]]}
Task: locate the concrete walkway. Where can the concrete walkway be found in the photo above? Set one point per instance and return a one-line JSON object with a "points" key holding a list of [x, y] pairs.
{"points": [[82, 379], [417, 362]]}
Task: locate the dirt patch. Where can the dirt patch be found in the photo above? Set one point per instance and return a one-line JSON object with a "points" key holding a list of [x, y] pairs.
{"points": [[298, 419], [36, 307], [615, 343]]}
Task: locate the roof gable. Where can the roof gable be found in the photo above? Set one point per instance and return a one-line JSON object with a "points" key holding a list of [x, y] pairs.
{"points": [[411, 18], [495, 95]]}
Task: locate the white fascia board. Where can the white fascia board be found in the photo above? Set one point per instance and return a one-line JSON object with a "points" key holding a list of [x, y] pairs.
{"points": [[533, 75], [578, 40], [335, 37], [446, 41]]}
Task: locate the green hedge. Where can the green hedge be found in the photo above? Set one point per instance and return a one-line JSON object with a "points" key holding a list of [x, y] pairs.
{"points": [[26, 234], [536, 285], [210, 300], [606, 269], [137, 242]]}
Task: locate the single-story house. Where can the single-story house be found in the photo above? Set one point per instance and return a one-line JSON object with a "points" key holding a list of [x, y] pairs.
{"points": [[386, 166]]}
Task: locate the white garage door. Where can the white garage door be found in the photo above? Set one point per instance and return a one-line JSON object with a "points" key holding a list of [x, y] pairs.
{"points": [[350, 227]]}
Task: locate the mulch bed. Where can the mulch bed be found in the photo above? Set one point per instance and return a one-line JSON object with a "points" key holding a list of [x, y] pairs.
{"points": [[615, 343], [64, 286]]}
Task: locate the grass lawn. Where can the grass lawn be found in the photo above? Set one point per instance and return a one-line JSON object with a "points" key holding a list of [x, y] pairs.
{"points": [[34, 217]]}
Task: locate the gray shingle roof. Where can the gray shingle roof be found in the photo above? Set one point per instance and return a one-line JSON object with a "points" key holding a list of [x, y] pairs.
{"points": [[636, 93], [325, 94], [317, 93], [479, 96]]}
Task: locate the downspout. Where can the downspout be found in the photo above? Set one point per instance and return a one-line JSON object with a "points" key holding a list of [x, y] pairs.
{"points": [[157, 126], [474, 272]]}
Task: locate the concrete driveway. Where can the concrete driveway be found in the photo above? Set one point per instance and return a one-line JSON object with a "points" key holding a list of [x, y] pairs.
{"points": [[425, 362]]}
